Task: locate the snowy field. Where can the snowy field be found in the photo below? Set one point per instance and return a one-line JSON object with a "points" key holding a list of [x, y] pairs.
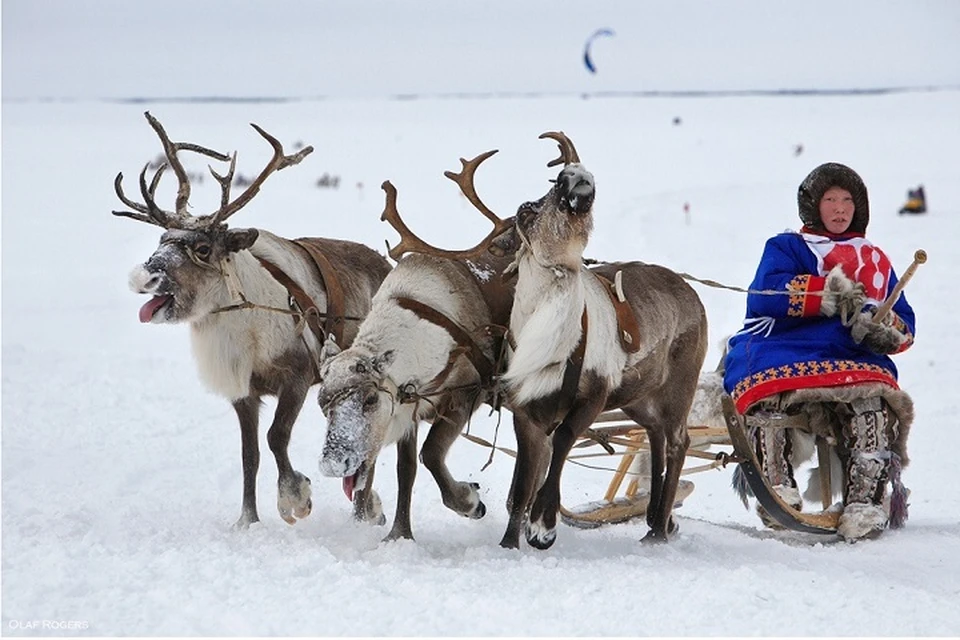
{"points": [[121, 474]]}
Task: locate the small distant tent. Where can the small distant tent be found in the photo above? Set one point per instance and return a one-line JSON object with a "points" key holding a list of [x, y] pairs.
{"points": [[916, 201]]}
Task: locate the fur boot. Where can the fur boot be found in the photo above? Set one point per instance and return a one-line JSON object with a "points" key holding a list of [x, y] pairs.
{"points": [[773, 452], [861, 520], [868, 425]]}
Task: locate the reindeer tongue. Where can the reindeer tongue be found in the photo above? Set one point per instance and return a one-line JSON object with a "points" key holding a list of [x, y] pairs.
{"points": [[349, 482], [148, 310]]}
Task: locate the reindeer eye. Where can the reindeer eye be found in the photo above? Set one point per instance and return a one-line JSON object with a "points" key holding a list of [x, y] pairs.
{"points": [[202, 251], [361, 368]]}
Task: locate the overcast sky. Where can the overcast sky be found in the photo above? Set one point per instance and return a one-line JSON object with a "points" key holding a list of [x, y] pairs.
{"points": [[122, 49]]}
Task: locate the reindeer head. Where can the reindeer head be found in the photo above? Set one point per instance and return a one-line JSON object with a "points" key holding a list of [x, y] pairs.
{"points": [[557, 226], [186, 275], [359, 401]]}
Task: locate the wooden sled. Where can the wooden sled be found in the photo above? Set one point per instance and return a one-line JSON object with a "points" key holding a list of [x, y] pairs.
{"points": [[636, 499], [613, 509]]}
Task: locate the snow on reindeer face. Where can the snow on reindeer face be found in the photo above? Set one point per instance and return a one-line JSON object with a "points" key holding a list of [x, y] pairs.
{"points": [[358, 408]]}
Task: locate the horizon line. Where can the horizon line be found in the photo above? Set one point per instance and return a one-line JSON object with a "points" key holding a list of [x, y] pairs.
{"points": [[505, 95]]}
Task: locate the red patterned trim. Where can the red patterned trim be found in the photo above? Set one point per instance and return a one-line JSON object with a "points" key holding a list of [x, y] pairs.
{"points": [[803, 375], [801, 303], [901, 326]]}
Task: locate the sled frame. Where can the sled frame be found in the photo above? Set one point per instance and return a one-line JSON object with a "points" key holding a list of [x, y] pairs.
{"points": [[633, 504]]}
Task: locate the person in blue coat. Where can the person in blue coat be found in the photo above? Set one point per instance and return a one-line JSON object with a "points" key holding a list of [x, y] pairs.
{"points": [[810, 344]]}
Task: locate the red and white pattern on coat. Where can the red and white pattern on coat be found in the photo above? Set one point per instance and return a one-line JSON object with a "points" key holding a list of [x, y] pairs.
{"points": [[860, 260]]}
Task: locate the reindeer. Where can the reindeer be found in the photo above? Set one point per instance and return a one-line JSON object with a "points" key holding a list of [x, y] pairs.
{"points": [[247, 295], [428, 350], [622, 335]]}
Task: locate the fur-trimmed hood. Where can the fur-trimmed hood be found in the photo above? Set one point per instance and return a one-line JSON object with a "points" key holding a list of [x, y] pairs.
{"points": [[833, 174]]}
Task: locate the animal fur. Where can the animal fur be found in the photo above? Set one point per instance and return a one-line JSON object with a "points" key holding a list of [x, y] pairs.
{"points": [[245, 354], [654, 386], [397, 349]]}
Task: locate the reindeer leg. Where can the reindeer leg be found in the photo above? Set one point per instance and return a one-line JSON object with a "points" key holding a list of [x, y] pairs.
{"points": [[248, 413], [532, 443], [461, 497], [542, 525], [406, 474], [658, 463], [662, 524], [366, 502], [293, 488]]}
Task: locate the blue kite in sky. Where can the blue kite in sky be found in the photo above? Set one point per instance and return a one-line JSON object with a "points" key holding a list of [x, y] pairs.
{"points": [[587, 60]]}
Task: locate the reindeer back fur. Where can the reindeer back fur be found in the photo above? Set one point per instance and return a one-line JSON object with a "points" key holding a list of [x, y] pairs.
{"points": [[232, 349], [673, 332]]}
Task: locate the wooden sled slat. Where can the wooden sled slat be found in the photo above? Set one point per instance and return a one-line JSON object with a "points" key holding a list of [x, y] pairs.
{"points": [[598, 513]]}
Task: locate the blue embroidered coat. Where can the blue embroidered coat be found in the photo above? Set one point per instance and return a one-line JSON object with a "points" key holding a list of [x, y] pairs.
{"points": [[785, 343]]}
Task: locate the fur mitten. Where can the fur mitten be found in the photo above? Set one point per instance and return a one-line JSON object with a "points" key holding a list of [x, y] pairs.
{"points": [[842, 296], [879, 337]]}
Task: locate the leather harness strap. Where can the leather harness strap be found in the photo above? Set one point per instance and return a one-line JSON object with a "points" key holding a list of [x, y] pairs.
{"points": [[465, 344], [304, 302], [336, 307], [334, 315], [627, 327]]}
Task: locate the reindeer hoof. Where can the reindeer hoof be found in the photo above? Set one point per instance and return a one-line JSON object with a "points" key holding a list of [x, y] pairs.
{"points": [[479, 512], [654, 537], [293, 498], [510, 543], [245, 520], [539, 537], [303, 512]]}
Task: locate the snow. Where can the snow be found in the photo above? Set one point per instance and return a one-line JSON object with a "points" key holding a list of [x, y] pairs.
{"points": [[121, 474]]}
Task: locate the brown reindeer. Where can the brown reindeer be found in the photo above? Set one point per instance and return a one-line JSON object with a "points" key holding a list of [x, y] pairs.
{"points": [[248, 296], [622, 335], [428, 350]]}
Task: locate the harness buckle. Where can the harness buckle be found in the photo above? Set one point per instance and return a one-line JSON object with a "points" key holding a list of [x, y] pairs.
{"points": [[407, 393]]}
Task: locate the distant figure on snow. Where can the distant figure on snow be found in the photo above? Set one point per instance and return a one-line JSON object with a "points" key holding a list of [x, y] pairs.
{"points": [[916, 201]]}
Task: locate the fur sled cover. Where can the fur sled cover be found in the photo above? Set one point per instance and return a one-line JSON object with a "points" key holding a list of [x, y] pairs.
{"points": [[818, 405]]}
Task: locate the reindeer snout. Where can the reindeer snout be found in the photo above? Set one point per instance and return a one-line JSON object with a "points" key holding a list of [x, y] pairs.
{"points": [[143, 280], [576, 189], [338, 464]]}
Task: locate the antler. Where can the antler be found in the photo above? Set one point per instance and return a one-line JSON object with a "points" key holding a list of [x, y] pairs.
{"points": [[410, 242], [277, 163], [568, 153], [149, 212]]}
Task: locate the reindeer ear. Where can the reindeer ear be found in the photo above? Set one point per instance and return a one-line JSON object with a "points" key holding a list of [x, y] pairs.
{"points": [[382, 361], [329, 349], [506, 243], [240, 239]]}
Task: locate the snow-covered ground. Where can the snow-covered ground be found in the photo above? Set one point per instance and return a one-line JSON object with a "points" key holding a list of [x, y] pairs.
{"points": [[121, 474]]}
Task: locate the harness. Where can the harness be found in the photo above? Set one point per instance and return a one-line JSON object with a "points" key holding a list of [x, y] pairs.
{"points": [[302, 308], [466, 345]]}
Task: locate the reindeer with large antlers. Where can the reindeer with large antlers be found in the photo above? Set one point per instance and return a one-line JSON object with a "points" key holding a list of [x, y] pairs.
{"points": [[621, 335], [428, 350], [260, 307]]}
